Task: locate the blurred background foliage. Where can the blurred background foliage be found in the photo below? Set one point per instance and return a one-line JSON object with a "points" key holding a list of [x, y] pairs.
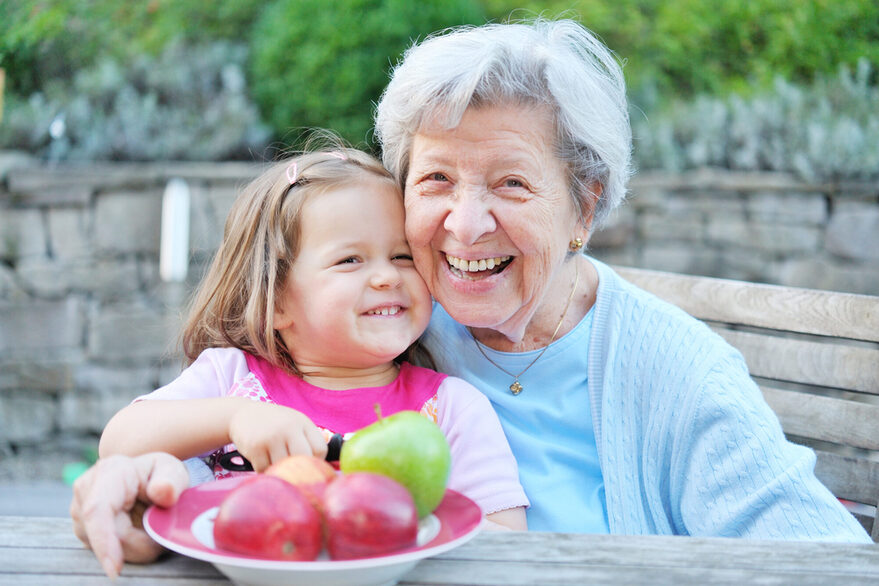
{"points": [[752, 84]]}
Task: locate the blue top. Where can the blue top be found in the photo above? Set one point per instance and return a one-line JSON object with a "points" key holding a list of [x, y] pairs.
{"points": [[686, 443], [548, 425]]}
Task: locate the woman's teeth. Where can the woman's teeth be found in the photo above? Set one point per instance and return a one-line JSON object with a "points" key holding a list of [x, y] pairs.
{"points": [[385, 311], [472, 266]]}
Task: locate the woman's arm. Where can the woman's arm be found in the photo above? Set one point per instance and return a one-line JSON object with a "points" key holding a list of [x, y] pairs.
{"points": [[104, 497]]}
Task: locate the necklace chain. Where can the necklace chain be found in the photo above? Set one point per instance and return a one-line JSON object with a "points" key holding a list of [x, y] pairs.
{"points": [[517, 387]]}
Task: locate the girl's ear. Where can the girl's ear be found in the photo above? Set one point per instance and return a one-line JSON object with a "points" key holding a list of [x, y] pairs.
{"points": [[282, 319]]}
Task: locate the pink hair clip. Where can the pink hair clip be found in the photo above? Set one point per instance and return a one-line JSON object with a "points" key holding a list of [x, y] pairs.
{"points": [[292, 173], [338, 154]]}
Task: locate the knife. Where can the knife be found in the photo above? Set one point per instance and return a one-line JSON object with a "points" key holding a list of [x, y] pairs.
{"points": [[235, 462]]}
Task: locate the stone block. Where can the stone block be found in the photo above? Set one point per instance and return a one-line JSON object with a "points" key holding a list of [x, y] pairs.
{"points": [[10, 289], [223, 196], [772, 207], [821, 272], [33, 374], [769, 238], [687, 227], [17, 160], [744, 264], [203, 234], [100, 392], [617, 231], [107, 278], [128, 222], [69, 233], [22, 234], [47, 328], [26, 416], [680, 258], [647, 196], [853, 232], [624, 257], [130, 332], [722, 203]]}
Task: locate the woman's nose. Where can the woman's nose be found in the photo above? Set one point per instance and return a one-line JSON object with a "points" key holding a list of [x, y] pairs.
{"points": [[469, 217]]}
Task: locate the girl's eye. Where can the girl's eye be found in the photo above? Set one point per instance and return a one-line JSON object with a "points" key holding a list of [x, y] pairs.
{"points": [[349, 260]]}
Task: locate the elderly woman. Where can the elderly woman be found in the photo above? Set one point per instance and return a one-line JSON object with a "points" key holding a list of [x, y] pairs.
{"points": [[626, 415]]}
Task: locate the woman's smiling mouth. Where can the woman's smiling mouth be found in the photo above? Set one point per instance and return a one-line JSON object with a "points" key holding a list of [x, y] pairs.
{"points": [[477, 269]]}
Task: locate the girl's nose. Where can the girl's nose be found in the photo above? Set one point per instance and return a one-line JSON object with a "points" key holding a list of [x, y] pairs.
{"points": [[469, 217], [385, 276]]}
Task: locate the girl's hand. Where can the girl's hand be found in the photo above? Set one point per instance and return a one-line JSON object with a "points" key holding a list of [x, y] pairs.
{"points": [[265, 433], [106, 495]]}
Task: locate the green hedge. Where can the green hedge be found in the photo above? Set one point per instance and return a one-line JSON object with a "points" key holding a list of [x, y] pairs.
{"points": [[689, 47], [325, 62]]}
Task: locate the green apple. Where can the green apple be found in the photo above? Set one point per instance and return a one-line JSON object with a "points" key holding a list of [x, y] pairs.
{"points": [[407, 447]]}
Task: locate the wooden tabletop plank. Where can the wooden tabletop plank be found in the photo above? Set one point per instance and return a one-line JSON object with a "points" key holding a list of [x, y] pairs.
{"points": [[492, 558]]}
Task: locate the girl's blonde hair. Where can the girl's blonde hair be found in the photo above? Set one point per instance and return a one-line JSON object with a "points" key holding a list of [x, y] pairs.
{"points": [[235, 302]]}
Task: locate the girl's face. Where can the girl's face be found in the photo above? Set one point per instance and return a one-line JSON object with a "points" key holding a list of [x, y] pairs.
{"points": [[353, 298]]}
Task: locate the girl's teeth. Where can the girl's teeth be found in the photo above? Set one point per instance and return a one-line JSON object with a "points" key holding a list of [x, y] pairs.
{"points": [[471, 266], [385, 311]]}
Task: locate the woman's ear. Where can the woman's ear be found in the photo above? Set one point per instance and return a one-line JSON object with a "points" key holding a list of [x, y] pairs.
{"points": [[586, 220]]}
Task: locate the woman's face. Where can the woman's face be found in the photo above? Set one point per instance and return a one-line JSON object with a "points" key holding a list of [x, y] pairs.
{"points": [[489, 217]]}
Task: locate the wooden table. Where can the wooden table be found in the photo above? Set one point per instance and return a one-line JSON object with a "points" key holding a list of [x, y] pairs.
{"points": [[38, 550]]}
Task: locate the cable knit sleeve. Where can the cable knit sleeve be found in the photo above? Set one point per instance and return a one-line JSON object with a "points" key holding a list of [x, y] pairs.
{"points": [[736, 475]]}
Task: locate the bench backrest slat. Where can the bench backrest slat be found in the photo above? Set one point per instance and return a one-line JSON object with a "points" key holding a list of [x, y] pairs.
{"points": [[827, 419], [806, 311], [804, 361], [816, 358]]}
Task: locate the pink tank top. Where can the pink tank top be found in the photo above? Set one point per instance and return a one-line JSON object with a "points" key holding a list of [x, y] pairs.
{"points": [[344, 411]]}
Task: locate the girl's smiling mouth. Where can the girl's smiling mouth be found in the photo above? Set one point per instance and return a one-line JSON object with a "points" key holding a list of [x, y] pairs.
{"points": [[386, 310]]}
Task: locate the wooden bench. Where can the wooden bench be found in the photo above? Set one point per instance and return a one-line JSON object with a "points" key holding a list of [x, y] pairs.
{"points": [[815, 355]]}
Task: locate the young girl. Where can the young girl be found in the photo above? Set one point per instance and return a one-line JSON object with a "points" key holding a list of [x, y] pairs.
{"points": [[299, 328]]}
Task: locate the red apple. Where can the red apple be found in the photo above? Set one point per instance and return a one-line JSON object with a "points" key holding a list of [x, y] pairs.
{"points": [[269, 518], [308, 473], [367, 515]]}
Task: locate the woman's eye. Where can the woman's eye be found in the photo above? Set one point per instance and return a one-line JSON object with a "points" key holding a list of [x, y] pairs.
{"points": [[437, 177], [513, 183]]}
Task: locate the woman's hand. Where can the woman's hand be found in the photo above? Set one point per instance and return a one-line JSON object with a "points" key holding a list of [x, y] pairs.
{"points": [[105, 497], [265, 433]]}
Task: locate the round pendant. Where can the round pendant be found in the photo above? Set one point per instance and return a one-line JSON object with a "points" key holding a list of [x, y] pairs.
{"points": [[516, 388]]}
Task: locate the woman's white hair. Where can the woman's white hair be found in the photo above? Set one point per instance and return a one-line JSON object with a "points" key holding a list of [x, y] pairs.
{"points": [[559, 64]]}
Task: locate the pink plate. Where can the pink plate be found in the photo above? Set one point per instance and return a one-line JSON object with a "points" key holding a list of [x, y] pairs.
{"points": [[187, 528]]}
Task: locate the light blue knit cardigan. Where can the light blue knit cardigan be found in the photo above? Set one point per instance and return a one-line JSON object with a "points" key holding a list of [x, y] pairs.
{"points": [[687, 444]]}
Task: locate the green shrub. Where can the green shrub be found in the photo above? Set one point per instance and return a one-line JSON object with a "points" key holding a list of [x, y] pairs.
{"points": [[44, 41], [827, 130], [189, 103], [689, 47], [324, 63]]}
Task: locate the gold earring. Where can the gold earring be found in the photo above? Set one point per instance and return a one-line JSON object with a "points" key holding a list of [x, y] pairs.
{"points": [[576, 244]]}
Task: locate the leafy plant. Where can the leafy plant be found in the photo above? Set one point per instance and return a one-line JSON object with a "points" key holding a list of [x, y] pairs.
{"points": [[189, 103], [826, 130], [324, 63]]}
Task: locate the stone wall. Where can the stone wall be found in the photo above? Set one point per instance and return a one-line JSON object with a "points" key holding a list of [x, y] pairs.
{"points": [[87, 324]]}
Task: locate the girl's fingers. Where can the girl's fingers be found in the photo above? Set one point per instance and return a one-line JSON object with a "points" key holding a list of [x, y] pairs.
{"points": [[316, 442]]}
